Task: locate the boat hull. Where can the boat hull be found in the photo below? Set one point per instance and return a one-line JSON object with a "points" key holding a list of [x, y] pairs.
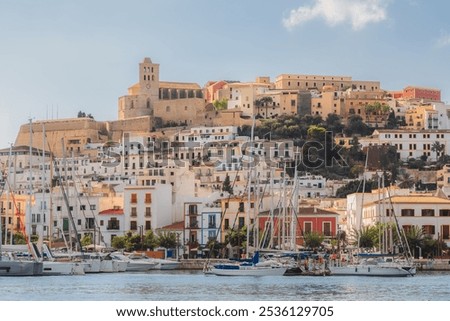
{"points": [[248, 271], [63, 268], [370, 270], [20, 268]]}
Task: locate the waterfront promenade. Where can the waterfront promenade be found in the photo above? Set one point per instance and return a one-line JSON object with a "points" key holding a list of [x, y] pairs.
{"points": [[422, 264]]}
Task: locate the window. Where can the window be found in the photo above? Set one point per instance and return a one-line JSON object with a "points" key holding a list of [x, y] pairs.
{"points": [[428, 229], [241, 207], [192, 210], [408, 212], [90, 223], [133, 198], [82, 207], [307, 227], [148, 198], [407, 228], [148, 225], [327, 228], [444, 212], [148, 212], [133, 212], [427, 212], [92, 207], [133, 225], [227, 224], [241, 222], [113, 224], [211, 221]]}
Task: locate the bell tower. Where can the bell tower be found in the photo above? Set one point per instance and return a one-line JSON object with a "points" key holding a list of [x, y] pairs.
{"points": [[141, 96], [149, 78]]}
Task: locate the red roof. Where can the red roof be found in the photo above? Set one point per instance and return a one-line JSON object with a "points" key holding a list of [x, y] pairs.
{"points": [[175, 226], [112, 212]]}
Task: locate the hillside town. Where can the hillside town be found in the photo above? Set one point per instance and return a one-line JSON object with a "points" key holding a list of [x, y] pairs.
{"points": [[222, 169]]}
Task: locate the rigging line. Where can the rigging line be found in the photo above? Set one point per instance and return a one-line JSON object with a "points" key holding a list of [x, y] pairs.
{"points": [[96, 225], [211, 246], [228, 202], [17, 213], [66, 200], [401, 233]]}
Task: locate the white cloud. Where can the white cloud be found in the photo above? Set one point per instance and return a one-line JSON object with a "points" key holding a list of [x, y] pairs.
{"points": [[443, 41], [358, 13]]}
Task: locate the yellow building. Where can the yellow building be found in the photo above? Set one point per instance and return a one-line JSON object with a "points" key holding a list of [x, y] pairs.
{"points": [[165, 103], [310, 82]]}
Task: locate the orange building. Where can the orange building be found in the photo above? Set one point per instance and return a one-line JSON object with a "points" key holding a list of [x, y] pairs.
{"points": [[413, 92]]}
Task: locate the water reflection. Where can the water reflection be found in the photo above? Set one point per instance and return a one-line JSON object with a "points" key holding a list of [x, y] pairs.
{"points": [[194, 286]]}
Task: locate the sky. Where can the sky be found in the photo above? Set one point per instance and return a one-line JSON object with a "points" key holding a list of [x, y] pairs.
{"points": [[60, 57]]}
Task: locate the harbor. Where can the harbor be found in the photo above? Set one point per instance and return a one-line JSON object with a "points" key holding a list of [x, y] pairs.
{"points": [[193, 285]]}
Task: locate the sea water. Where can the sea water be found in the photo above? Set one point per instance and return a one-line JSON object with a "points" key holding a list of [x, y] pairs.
{"points": [[195, 286]]}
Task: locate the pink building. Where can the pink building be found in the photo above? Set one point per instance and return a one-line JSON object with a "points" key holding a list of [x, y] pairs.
{"points": [[412, 92]]}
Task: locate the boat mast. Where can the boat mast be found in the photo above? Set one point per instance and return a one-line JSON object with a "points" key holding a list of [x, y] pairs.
{"points": [[8, 211], [69, 211], [30, 186], [295, 207], [249, 187]]}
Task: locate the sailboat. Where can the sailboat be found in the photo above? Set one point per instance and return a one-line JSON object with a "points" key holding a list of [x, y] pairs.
{"points": [[248, 267], [12, 265], [252, 268], [378, 264]]}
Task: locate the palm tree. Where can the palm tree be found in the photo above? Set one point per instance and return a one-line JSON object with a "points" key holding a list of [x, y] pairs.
{"points": [[263, 102], [406, 180], [439, 149], [367, 237], [313, 240], [414, 237]]}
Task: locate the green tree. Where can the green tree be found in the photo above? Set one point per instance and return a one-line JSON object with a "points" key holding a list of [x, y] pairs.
{"points": [[86, 240], [313, 239], [19, 238], [439, 149], [405, 180], [167, 240], [226, 187], [333, 123], [221, 104], [356, 126], [150, 240], [236, 237], [415, 237], [119, 242], [316, 132], [133, 242], [82, 114], [392, 121], [367, 236]]}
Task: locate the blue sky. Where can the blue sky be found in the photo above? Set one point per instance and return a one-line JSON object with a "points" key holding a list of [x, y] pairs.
{"points": [[58, 57]]}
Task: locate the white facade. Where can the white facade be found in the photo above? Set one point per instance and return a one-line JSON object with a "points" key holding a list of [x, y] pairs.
{"points": [[431, 213], [147, 207], [410, 143]]}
